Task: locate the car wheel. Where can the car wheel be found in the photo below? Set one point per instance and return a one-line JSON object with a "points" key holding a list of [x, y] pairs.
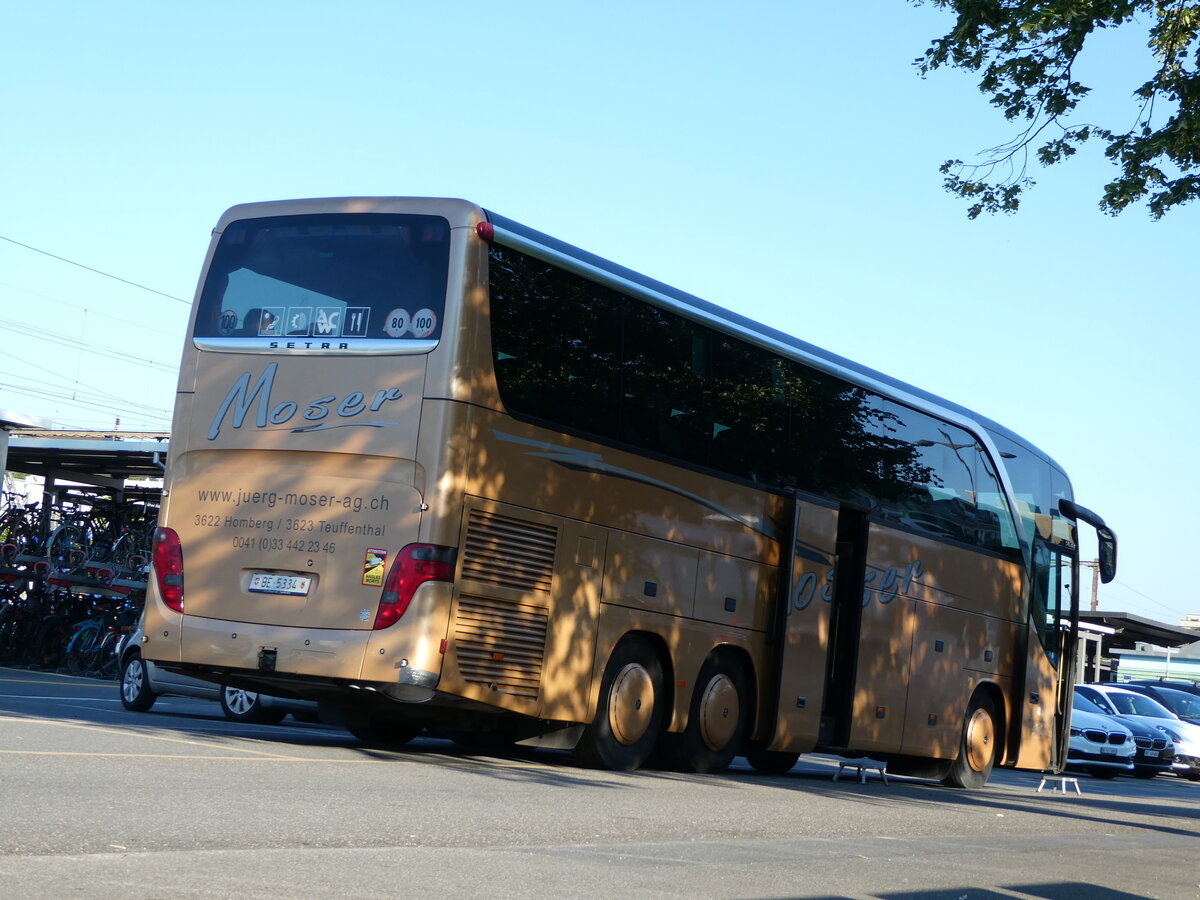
{"points": [[247, 706], [136, 693]]}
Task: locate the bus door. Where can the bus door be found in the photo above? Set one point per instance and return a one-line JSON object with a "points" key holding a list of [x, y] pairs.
{"points": [[845, 627], [817, 627], [1050, 658]]}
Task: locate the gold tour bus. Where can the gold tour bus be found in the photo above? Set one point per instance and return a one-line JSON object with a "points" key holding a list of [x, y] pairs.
{"points": [[435, 470]]}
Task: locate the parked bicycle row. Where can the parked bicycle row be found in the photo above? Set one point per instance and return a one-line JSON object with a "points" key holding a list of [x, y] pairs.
{"points": [[78, 538], [61, 630], [73, 573]]}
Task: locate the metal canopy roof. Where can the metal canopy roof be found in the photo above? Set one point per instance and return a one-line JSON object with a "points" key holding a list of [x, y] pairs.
{"points": [[1130, 630], [103, 460]]}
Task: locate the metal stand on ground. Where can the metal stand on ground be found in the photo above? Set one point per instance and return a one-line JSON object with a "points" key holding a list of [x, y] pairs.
{"points": [[860, 767], [1059, 783]]}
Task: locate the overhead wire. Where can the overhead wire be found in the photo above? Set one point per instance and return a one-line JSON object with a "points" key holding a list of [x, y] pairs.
{"points": [[97, 271], [73, 393]]}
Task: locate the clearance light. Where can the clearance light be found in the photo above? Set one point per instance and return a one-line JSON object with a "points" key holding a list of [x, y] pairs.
{"points": [[486, 230], [168, 567], [412, 567]]}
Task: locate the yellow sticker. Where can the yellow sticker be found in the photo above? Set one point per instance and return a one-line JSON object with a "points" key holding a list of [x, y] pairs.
{"points": [[373, 567]]}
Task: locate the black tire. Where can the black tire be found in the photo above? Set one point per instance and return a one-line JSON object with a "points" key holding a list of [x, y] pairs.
{"points": [[136, 693], [770, 762], [630, 712], [67, 548], [106, 657], [496, 741], [81, 652], [977, 746], [384, 732], [247, 706], [716, 719]]}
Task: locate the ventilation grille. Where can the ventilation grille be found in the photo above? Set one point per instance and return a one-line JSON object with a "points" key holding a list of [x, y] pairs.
{"points": [[500, 644], [509, 552]]}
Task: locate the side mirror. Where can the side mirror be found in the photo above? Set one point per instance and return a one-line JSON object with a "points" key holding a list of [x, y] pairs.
{"points": [[1106, 536], [1108, 554]]}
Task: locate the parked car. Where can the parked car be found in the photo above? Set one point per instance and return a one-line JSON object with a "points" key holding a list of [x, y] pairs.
{"points": [[1155, 750], [142, 683], [1178, 684], [1183, 704], [1125, 704], [1100, 745]]}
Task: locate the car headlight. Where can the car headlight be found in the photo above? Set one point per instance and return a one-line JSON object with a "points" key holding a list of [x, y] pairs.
{"points": [[1169, 733]]}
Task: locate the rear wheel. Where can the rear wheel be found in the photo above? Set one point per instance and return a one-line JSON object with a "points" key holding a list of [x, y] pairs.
{"points": [[384, 732], [716, 721], [977, 747], [247, 706], [630, 712]]}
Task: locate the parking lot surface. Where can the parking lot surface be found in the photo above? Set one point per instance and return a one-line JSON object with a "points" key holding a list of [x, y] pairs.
{"points": [[102, 802]]}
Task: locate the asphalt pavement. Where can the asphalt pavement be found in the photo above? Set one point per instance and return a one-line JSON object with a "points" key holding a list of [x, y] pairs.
{"points": [[96, 801]]}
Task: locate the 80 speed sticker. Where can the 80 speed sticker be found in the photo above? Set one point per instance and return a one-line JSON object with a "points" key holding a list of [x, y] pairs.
{"points": [[420, 324]]}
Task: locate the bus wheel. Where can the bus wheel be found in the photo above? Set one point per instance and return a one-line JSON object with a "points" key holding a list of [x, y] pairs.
{"points": [[770, 762], [716, 721], [384, 732], [977, 747], [629, 715]]}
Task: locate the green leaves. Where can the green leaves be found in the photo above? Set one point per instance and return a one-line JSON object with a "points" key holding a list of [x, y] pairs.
{"points": [[1025, 52]]}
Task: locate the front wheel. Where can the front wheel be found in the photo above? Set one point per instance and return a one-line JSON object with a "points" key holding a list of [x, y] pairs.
{"points": [[977, 747], [247, 706], [630, 712], [770, 762], [136, 693]]}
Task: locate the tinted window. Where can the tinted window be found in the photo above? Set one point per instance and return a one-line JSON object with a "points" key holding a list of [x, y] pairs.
{"points": [[370, 282], [582, 357]]}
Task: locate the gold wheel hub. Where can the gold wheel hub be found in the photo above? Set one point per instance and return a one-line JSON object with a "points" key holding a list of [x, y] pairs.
{"points": [[981, 740], [719, 711], [631, 703]]}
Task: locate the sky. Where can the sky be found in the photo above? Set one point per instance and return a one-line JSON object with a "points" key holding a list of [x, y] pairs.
{"points": [[779, 159]]}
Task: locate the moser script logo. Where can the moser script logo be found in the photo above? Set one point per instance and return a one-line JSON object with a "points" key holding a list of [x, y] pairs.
{"points": [[242, 398]]}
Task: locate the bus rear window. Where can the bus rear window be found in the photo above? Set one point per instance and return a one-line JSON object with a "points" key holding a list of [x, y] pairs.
{"points": [[351, 282]]}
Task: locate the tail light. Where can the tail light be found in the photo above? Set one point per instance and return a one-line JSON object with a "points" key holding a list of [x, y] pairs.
{"points": [[412, 567], [168, 567]]}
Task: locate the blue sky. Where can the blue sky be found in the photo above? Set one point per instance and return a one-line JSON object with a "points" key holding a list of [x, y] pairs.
{"points": [[776, 158]]}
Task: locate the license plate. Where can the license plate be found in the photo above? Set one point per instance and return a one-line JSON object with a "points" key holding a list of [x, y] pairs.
{"points": [[1151, 754], [1108, 751], [291, 585]]}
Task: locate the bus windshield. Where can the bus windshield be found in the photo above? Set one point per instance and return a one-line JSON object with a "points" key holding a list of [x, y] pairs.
{"points": [[358, 282]]}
